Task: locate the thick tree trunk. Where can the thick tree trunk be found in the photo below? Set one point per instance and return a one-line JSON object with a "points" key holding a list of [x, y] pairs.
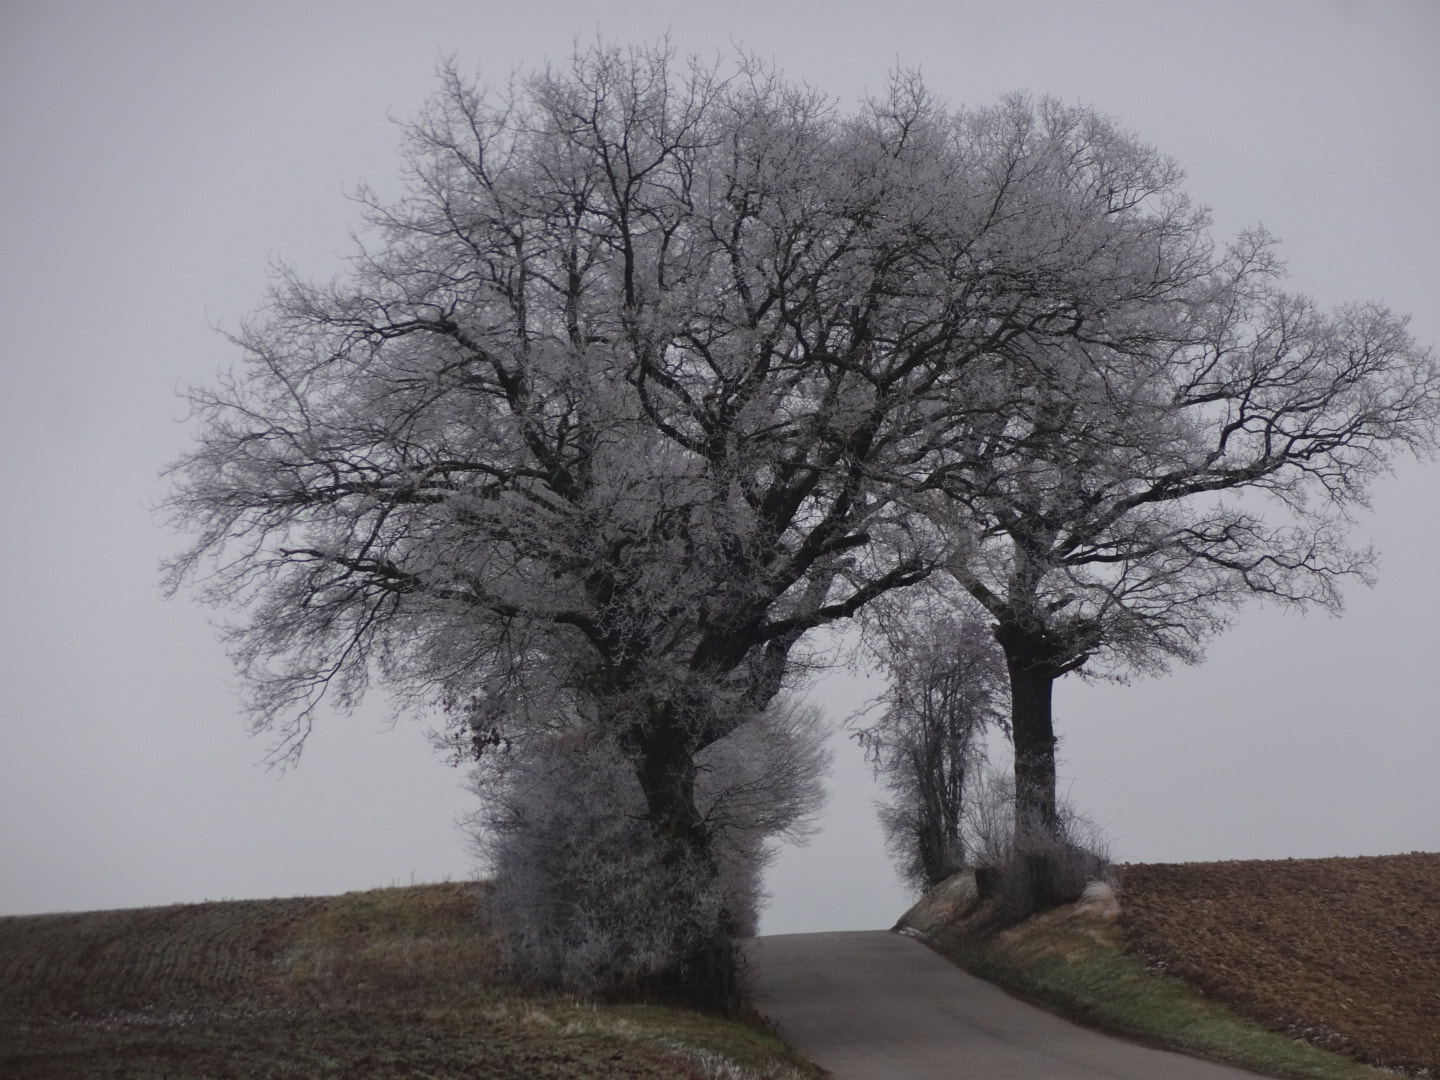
{"points": [[1044, 872], [705, 967], [1032, 663], [665, 766]]}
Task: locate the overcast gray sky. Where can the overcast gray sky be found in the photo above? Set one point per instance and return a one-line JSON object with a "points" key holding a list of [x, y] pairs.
{"points": [[156, 157]]}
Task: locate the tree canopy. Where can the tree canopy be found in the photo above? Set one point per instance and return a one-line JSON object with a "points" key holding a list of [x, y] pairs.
{"points": [[1125, 497], [653, 370]]}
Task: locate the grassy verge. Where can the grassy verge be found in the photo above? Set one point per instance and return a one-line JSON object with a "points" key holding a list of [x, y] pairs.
{"points": [[1073, 961], [381, 984]]}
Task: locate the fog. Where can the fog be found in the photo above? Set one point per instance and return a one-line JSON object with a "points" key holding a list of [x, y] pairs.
{"points": [[157, 158]]}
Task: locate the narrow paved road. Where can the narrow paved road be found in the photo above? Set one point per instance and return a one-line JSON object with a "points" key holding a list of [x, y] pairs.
{"points": [[875, 1005]]}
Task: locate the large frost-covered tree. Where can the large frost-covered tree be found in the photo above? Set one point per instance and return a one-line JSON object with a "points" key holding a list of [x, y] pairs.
{"points": [[578, 443], [650, 372], [598, 424]]}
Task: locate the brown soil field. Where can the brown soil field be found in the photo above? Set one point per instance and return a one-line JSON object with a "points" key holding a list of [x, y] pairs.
{"points": [[383, 984], [1343, 952]]}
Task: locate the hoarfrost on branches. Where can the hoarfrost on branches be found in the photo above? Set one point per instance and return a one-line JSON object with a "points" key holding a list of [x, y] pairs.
{"points": [[586, 892], [1183, 436], [946, 688], [652, 371]]}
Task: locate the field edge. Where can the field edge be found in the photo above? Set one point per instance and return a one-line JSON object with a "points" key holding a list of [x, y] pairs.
{"points": [[1073, 962], [377, 983]]}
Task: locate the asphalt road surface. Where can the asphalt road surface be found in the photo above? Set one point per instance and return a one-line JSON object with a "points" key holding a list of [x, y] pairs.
{"points": [[876, 1005]]}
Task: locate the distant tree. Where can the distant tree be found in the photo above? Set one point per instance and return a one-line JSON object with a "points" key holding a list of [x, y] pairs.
{"points": [[946, 687], [1120, 484]]}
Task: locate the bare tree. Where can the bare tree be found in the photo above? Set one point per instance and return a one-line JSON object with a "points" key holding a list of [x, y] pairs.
{"points": [[650, 372], [946, 685], [598, 425], [1122, 483]]}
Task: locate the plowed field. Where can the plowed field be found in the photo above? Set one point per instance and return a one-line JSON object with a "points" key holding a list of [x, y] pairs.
{"points": [[381, 985], [1342, 952]]}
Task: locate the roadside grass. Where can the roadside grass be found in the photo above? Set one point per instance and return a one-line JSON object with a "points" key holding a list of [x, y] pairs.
{"points": [[387, 983], [1072, 960]]}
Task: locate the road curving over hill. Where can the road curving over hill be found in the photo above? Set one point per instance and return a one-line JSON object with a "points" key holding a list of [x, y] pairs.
{"points": [[875, 1005]]}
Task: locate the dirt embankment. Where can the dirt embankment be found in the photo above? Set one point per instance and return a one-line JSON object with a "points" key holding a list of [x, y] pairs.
{"points": [[1344, 953]]}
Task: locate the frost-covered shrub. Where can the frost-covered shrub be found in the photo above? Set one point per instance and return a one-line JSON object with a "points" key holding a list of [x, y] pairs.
{"points": [[588, 894], [761, 782], [1029, 866], [584, 896]]}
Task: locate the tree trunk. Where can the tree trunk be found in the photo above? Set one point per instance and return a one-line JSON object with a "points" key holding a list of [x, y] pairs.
{"points": [[705, 966], [665, 766], [1031, 660]]}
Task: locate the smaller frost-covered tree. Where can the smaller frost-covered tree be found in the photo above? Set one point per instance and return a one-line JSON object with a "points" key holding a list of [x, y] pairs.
{"points": [[588, 895], [1182, 433], [947, 685]]}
